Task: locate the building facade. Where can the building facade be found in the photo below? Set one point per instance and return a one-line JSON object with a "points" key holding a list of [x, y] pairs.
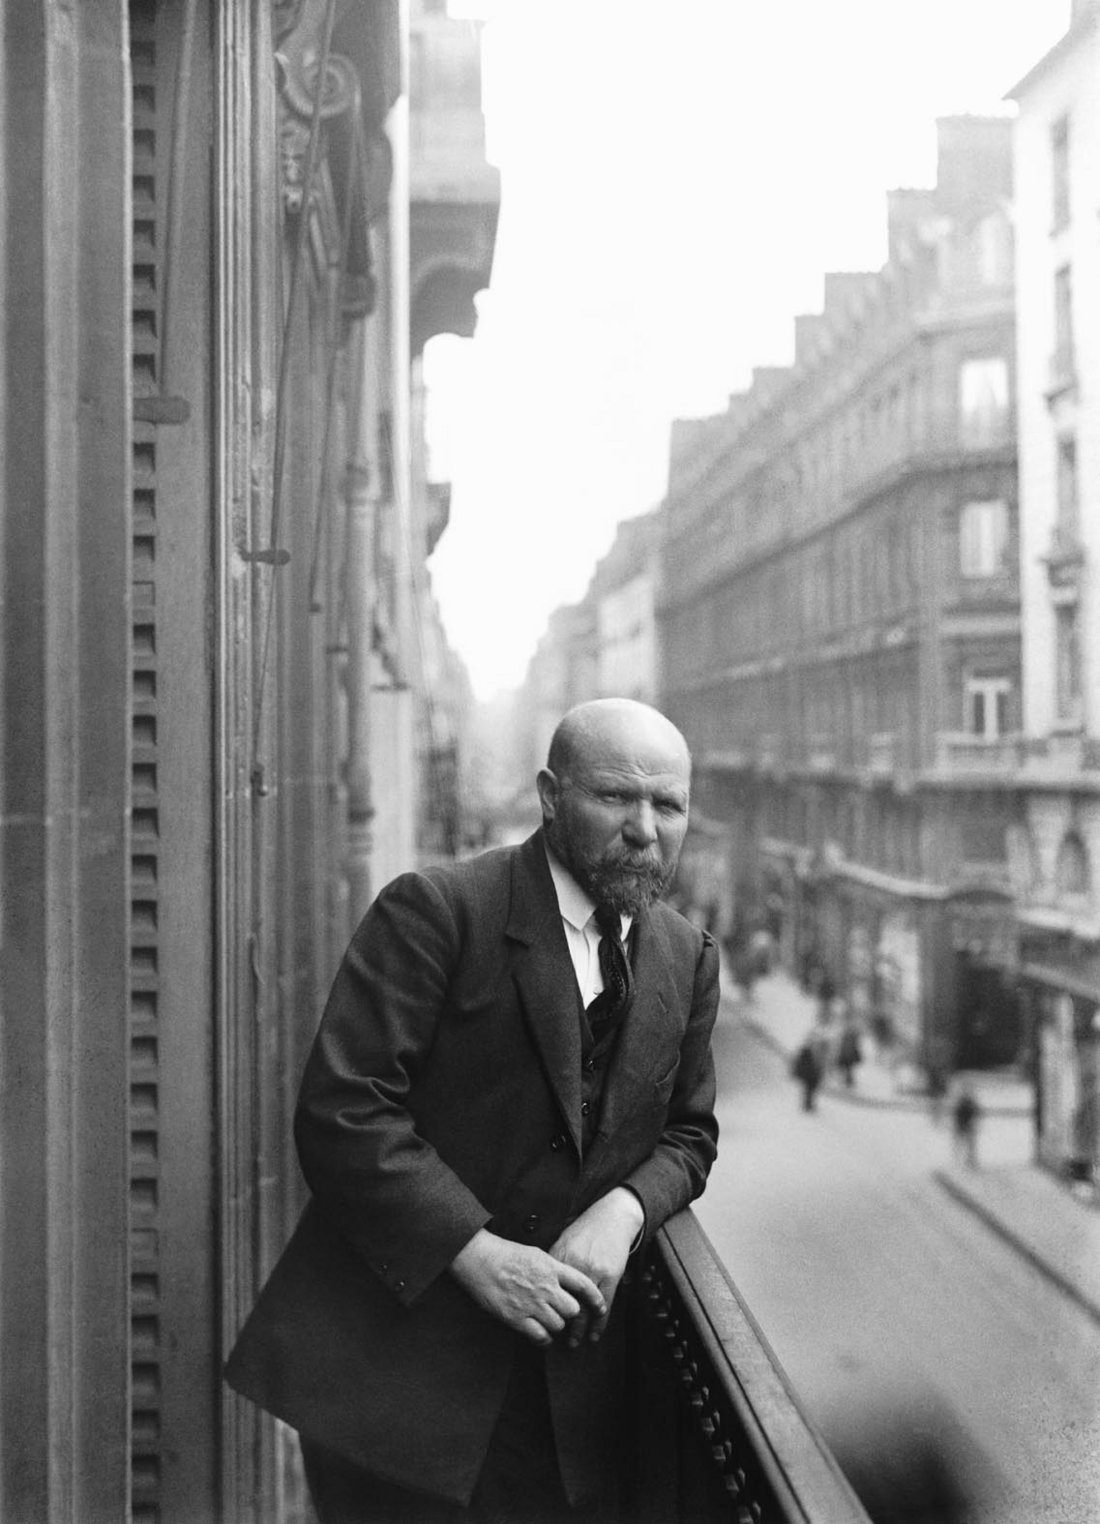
{"points": [[454, 196], [1057, 148], [839, 622], [604, 646], [207, 583], [624, 592]]}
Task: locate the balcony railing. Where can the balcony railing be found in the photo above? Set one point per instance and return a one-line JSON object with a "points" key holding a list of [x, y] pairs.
{"points": [[961, 752], [1062, 755], [769, 752], [1054, 757], [882, 751], [721, 1436], [821, 753]]}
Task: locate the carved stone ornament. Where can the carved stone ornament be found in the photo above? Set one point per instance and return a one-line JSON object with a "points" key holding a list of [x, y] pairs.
{"points": [[285, 16], [299, 27]]}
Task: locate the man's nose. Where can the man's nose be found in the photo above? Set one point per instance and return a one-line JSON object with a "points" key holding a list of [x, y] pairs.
{"points": [[640, 826]]}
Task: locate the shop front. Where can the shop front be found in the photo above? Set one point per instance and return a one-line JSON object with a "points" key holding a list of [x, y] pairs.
{"points": [[989, 1029], [890, 965], [785, 907], [1064, 1013]]}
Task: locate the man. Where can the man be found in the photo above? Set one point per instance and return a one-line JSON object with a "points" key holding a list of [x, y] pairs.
{"points": [[503, 1102]]}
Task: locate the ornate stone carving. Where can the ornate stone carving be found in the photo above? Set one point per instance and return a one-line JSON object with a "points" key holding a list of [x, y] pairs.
{"points": [[300, 30], [1049, 818], [285, 16], [1065, 558]]}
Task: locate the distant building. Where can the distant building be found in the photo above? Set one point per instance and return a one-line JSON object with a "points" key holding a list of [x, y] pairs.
{"points": [[561, 673], [454, 199], [604, 646], [1057, 848], [623, 591], [839, 621]]}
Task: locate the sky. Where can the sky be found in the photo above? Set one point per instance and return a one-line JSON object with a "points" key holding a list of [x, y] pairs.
{"points": [[676, 177]]}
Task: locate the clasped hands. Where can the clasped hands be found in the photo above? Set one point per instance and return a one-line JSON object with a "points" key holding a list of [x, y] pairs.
{"points": [[567, 1290]]}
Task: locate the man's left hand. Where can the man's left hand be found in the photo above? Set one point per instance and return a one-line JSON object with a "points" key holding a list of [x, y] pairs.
{"points": [[599, 1243]]}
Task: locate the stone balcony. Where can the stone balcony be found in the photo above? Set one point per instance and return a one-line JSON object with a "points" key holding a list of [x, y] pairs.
{"points": [[1062, 757], [1071, 758], [960, 752], [882, 752], [822, 754]]}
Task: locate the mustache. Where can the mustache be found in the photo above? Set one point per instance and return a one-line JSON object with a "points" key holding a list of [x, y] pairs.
{"points": [[638, 862]]}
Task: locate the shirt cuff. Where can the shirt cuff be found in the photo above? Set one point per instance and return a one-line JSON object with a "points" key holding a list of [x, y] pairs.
{"points": [[639, 1237]]}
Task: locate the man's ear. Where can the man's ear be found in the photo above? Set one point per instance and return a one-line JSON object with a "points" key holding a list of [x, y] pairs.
{"points": [[549, 790]]}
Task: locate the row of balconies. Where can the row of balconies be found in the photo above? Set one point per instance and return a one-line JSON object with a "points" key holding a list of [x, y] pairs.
{"points": [[779, 507], [881, 755]]}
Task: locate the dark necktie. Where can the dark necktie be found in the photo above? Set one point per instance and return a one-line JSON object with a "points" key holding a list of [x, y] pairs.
{"points": [[618, 982]]}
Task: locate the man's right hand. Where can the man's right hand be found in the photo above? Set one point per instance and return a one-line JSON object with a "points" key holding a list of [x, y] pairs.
{"points": [[524, 1287]]}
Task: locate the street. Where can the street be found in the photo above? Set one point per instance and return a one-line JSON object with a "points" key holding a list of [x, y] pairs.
{"points": [[890, 1306]]}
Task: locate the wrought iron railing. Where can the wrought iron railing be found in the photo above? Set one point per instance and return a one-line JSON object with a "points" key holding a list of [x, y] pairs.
{"points": [[721, 1436], [962, 752]]}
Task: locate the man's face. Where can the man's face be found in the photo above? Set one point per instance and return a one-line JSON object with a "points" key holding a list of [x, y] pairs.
{"points": [[617, 822]]}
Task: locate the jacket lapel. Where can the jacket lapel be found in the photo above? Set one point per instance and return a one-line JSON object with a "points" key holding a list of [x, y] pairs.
{"points": [[543, 972]]}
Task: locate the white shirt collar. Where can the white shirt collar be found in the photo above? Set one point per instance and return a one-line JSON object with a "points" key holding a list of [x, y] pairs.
{"points": [[576, 905]]}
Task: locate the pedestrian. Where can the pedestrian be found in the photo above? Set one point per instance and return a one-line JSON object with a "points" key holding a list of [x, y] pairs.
{"points": [[808, 1070], [849, 1053], [966, 1115], [744, 973], [826, 993], [761, 950], [510, 1091], [937, 1091]]}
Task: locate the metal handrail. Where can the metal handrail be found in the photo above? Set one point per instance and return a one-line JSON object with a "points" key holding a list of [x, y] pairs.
{"points": [[744, 1449]]}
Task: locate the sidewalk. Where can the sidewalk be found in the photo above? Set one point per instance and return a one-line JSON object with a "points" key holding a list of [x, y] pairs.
{"points": [[1043, 1219], [781, 1011]]}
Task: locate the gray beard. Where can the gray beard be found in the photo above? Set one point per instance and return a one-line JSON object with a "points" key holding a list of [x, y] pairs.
{"points": [[624, 888]]}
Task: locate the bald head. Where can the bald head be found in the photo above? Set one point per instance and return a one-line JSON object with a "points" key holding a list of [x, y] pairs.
{"points": [[608, 727], [614, 795]]}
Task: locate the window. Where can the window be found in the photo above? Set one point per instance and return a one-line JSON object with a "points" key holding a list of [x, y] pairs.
{"points": [[983, 539], [1068, 664], [1067, 484], [1063, 320], [1072, 871], [982, 836], [987, 707], [1059, 174], [983, 401]]}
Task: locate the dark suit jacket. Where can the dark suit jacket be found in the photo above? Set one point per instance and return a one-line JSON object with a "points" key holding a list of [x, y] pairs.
{"points": [[443, 1095]]}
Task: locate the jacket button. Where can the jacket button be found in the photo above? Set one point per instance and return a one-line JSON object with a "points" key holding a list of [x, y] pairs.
{"points": [[585, 1108], [383, 1267], [399, 1285], [558, 1143], [531, 1224], [590, 1064]]}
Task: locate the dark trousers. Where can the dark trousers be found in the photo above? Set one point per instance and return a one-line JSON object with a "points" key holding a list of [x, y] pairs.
{"points": [[520, 1482]]}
